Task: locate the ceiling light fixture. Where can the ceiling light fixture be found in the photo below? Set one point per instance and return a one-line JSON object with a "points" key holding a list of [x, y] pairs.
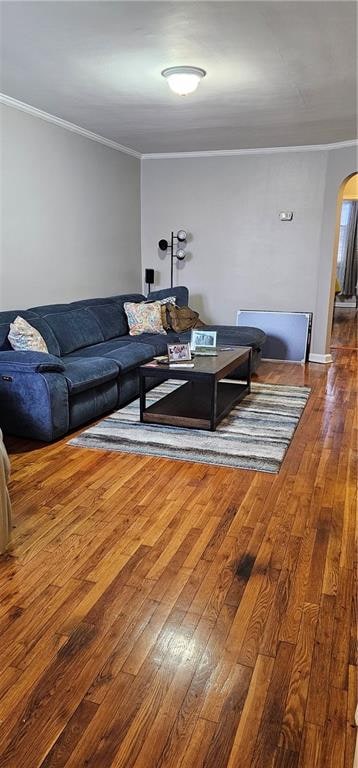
{"points": [[183, 80]]}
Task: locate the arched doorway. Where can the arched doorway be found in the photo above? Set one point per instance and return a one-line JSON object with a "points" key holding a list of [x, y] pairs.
{"points": [[344, 277]]}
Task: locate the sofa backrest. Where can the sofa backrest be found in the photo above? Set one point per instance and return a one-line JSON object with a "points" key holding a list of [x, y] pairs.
{"points": [[46, 332], [109, 313], [180, 292], [86, 322], [67, 327], [73, 327]]}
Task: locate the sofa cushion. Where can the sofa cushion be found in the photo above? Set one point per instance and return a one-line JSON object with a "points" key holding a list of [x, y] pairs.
{"points": [[84, 406], [120, 301], [233, 335], [110, 318], [109, 312], [82, 374], [131, 356], [157, 341], [46, 332], [99, 350], [6, 318], [37, 322], [73, 328]]}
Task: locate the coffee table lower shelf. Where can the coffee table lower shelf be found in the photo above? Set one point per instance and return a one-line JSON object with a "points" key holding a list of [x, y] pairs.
{"points": [[195, 405]]}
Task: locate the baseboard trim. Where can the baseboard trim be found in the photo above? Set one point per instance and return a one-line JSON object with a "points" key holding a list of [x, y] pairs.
{"points": [[277, 360], [315, 358]]}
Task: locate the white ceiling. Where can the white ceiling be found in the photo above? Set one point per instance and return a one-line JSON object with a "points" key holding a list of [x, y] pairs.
{"points": [[278, 73]]}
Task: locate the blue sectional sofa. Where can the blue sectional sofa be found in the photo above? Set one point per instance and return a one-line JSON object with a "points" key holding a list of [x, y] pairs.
{"points": [[91, 367]]}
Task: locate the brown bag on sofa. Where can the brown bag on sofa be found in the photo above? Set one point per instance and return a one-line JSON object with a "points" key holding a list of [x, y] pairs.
{"points": [[182, 318], [165, 317]]}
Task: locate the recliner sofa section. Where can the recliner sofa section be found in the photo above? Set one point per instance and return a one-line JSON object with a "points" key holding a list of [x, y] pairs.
{"points": [[91, 368]]}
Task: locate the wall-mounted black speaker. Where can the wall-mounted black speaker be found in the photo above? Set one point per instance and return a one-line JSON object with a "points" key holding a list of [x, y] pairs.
{"points": [[149, 276]]}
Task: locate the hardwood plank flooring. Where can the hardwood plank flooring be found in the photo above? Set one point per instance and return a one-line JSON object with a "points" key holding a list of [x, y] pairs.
{"points": [[159, 614], [344, 329]]}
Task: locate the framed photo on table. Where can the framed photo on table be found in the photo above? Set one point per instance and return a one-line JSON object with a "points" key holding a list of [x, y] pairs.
{"points": [[178, 353], [202, 339]]}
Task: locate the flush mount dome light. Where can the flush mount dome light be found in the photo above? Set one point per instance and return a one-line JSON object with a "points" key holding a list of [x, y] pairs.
{"points": [[183, 80]]}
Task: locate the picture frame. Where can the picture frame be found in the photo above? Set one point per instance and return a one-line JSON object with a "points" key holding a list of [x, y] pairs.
{"points": [[178, 353], [202, 339]]}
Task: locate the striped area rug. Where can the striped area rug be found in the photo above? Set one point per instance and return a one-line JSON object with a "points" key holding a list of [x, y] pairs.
{"points": [[255, 435]]}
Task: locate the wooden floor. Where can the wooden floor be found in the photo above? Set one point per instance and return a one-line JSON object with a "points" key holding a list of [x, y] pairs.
{"points": [[344, 331], [158, 613]]}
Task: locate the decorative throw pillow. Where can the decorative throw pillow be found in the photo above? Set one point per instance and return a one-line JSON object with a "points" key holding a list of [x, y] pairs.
{"points": [[183, 318], [144, 318], [164, 302], [23, 336]]}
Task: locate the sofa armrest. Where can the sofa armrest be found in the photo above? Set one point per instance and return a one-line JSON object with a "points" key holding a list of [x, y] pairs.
{"points": [[33, 395], [40, 362], [33, 404]]}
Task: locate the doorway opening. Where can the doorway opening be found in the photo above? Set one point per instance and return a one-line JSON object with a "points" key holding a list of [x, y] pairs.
{"points": [[344, 325]]}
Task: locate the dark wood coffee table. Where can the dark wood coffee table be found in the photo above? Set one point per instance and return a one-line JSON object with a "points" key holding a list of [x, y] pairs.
{"points": [[204, 400]]}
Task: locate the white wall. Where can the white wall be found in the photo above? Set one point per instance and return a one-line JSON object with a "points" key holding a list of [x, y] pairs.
{"points": [[242, 255], [71, 219], [70, 215]]}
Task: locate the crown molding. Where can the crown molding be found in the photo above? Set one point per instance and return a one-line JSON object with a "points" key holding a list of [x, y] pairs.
{"points": [[10, 102], [254, 151], [16, 104]]}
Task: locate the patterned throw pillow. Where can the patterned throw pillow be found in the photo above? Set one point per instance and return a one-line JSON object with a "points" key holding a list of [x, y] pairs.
{"points": [[144, 318], [23, 336], [169, 300]]}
